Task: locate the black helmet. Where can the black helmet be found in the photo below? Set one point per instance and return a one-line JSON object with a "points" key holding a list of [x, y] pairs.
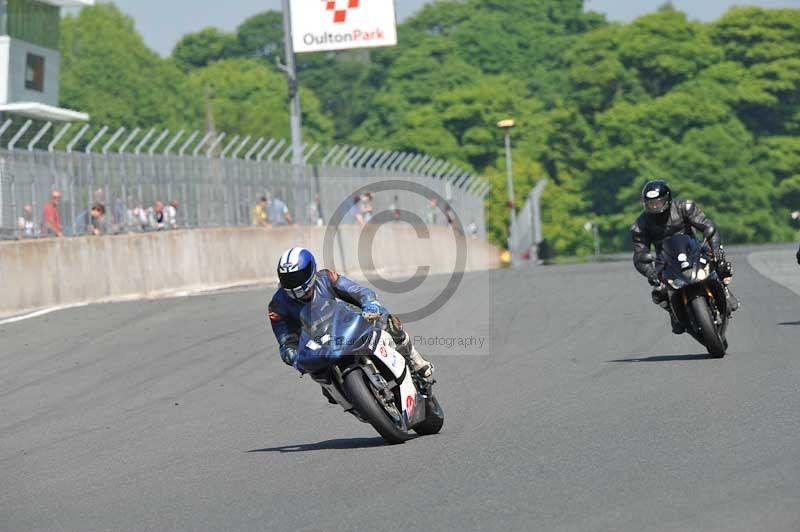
{"points": [[656, 197]]}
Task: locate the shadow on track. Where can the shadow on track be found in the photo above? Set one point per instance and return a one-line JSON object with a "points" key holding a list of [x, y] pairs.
{"points": [[667, 358], [790, 323], [345, 443]]}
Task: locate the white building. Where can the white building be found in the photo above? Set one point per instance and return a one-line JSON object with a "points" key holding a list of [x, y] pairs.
{"points": [[30, 61]]}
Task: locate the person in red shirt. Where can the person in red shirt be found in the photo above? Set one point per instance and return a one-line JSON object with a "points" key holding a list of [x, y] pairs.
{"points": [[51, 226]]}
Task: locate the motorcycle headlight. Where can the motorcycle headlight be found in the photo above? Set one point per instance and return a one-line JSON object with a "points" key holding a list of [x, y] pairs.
{"points": [[702, 274], [677, 284]]}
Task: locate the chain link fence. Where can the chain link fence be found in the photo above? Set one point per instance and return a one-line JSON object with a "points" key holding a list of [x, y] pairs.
{"points": [[525, 232], [207, 180]]}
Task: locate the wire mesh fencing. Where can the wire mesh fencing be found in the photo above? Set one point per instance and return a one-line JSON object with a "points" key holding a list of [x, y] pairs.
{"points": [[116, 181], [525, 232]]}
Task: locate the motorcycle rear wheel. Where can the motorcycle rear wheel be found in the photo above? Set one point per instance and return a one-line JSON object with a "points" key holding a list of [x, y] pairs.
{"points": [[708, 330], [359, 392]]}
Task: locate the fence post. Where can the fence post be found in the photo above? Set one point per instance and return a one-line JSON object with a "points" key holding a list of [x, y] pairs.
{"points": [[63, 131], [274, 150], [263, 151], [19, 134], [39, 135], [310, 153]]}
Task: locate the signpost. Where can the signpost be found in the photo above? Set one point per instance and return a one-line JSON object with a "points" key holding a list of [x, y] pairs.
{"points": [[325, 25], [328, 25]]}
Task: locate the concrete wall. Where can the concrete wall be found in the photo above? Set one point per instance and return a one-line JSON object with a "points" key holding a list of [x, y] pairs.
{"points": [[44, 273]]}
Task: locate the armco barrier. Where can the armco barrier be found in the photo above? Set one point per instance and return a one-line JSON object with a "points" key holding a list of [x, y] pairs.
{"points": [[46, 273]]}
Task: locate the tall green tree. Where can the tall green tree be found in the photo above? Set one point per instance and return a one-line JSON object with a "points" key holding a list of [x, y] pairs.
{"points": [[202, 48], [107, 70], [248, 98]]}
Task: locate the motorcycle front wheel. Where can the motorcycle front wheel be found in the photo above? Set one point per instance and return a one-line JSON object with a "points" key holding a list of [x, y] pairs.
{"points": [[708, 330], [360, 393]]}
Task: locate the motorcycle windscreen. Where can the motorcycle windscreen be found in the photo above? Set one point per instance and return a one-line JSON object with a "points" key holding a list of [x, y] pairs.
{"points": [[675, 246], [332, 330]]}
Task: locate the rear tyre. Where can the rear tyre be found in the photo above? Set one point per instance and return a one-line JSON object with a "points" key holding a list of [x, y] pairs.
{"points": [[708, 330], [434, 418], [360, 394]]}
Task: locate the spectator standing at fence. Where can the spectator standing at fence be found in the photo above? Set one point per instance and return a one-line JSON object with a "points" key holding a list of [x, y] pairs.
{"points": [[26, 225], [171, 214], [315, 211], [366, 208], [259, 215], [51, 224], [156, 219], [354, 213], [93, 222], [137, 216], [472, 228], [395, 208], [433, 212], [279, 213]]}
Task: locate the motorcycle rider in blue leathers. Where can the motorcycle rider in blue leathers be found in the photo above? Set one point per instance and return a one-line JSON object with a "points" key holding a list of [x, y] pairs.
{"points": [[301, 283]]}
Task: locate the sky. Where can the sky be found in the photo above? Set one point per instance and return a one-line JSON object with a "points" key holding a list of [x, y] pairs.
{"points": [[163, 22]]}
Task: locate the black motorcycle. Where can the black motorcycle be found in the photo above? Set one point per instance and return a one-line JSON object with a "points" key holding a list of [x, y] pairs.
{"points": [[696, 292]]}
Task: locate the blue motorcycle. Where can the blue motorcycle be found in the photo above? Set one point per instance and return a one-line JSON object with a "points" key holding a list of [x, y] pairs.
{"points": [[357, 365]]}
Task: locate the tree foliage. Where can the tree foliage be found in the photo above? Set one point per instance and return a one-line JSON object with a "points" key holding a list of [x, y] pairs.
{"points": [[601, 108]]}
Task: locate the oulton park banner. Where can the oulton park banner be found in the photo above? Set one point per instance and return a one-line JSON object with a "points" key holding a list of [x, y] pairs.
{"points": [[323, 25]]}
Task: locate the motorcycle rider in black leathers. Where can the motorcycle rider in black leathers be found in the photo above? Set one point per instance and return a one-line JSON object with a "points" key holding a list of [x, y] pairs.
{"points": [[662, 218]]}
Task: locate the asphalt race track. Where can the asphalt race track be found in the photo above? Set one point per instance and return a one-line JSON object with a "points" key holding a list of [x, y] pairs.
{"points": [[589, 415]]}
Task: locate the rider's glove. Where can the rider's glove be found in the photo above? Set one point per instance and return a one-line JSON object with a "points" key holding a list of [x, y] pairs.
{"points": [[289, 355], [725, 269], [653, 279], [372, 311]]}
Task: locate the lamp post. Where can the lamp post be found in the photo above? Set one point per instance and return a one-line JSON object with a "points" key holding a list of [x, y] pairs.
{"points": [[507, 125]]}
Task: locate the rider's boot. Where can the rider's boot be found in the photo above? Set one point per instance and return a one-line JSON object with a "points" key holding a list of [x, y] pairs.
{"points": [[418, 365], [733, 301], [677, 326], [322, 379], [328, 396]]}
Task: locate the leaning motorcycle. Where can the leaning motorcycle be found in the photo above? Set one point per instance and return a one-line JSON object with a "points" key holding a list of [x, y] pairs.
{"points": [[696, 292], [357, 364]]}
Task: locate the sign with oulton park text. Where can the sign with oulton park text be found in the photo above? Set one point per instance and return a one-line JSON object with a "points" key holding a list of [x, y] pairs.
{"points": [[323, 25]]}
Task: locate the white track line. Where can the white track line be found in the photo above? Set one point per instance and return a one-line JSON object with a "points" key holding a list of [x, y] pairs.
{"points": [[39, 313]]}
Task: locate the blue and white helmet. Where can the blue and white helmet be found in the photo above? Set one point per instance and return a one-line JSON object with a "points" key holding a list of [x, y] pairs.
{"points": [[297, 271]]}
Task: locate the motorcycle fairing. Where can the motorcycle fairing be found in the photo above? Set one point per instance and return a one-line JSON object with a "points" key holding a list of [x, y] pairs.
{"points": [[386, 355]]}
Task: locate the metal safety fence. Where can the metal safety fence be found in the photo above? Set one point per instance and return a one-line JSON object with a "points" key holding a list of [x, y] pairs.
{"points": [[525, 231], [148, 180]]}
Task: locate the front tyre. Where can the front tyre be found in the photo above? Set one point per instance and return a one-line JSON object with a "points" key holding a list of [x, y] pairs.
{"points": [[360, 394], [708, 330]]}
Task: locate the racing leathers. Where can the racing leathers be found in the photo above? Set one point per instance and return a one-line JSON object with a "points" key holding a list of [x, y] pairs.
{"points": [[683, 217], [284, 315]]}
